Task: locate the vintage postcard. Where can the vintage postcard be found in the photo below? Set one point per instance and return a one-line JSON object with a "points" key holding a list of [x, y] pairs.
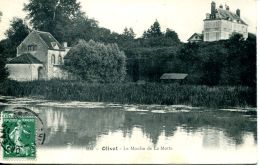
{"points": [[128, 82]]}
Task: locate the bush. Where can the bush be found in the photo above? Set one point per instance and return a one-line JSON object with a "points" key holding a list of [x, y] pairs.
{"points": [[96, 62]]}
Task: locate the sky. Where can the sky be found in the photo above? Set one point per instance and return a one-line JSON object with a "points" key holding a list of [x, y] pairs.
{"points": [[183, 16]]}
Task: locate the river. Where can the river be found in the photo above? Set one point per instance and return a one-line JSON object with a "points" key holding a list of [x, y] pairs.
{"points": [[78, 131]]}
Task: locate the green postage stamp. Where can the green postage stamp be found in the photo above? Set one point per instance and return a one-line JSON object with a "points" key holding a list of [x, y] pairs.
{"points": [[18, 139]]}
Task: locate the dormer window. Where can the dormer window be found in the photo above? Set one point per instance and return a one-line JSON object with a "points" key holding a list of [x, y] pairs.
{"points": [[32, 47], [54, 45]]}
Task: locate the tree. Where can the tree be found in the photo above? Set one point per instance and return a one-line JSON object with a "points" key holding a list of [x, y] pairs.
{"points": [[248, 60], [153, 31], [240, 64], [15, 35], [80, 28], [232, 64], [17, 31], [171, 37], [3, 70], [211, 62], [96, 62], [128, 34], [53, 15], [155, 37], [65, 21]]}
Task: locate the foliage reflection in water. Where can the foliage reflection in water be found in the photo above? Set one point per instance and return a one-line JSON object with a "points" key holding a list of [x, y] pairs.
{"points": [[85, 127], [94, 125]]}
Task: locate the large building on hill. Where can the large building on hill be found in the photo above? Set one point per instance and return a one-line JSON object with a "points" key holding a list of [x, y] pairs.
{"points": [[39, 57], [221, 23]]}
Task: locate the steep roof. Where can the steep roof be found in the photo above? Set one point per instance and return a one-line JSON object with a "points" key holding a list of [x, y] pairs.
{"points": [[224, 14], [50, 41], [25, 58], [173, 76], [227, 15], [196, 34]]}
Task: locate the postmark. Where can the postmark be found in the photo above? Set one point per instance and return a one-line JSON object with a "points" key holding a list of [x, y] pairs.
{"points": [[22, 131]]}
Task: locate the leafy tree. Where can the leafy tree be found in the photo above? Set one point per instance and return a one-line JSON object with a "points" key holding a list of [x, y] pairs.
{"points": [[96, 62], [66, 22], [127, 40], [153, 31], [171, 37], [17, 31], [248, 61], [53, 15], [232, 64], [155, 37], [80, 28], [188, 55], [240, 64], [3, 70], [150, 63], [171, 34], [211, 63], [15, 35], [128, 34]]}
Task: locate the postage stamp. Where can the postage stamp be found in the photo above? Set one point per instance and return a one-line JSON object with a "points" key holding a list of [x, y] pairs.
{"points": [[18, 135], [22, 130]]}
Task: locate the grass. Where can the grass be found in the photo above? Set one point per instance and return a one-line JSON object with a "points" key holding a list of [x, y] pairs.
{"points": [[149, 93]]}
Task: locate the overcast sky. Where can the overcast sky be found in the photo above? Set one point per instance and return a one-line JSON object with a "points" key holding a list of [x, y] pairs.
{"points": [[183, 16]]}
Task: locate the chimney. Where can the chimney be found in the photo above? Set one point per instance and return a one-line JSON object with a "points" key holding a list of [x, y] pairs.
{"points": [[213, 9], [238, 12], [221, 6], [65, 44], [227, 8], [207, 16]]}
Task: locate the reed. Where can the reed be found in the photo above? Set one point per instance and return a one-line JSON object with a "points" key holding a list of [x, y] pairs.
{"points": [[149, 93]]}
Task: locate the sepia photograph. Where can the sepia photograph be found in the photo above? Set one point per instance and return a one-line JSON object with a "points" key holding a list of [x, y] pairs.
{"points": [[128, 81]]}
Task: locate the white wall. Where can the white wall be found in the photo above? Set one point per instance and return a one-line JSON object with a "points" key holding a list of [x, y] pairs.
{"points": [[54, 70], [52, 67], [215, 30], [23, 72]]}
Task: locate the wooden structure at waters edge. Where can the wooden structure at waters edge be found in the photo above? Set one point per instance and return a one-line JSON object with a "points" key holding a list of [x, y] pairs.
{"points": [[173, 77]]}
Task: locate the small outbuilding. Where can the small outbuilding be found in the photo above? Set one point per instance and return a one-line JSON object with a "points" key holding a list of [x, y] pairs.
{"points": [[25, 68], [195, 38], [173, 77]]}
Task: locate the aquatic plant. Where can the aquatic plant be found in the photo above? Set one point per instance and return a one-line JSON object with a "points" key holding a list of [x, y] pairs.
{"points": [[148, 93]]}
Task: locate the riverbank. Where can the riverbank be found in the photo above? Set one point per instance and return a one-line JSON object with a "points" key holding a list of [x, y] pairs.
{"points": [[131, 93]]}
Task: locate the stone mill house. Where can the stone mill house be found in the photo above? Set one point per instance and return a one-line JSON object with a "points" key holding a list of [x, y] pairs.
{"points": [[39, 57]]}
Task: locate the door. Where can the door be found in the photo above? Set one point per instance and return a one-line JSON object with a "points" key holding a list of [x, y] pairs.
{"points": [[40, 73]]}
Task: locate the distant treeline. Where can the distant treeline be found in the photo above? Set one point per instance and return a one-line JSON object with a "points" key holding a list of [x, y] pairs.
{"points": [[227, 62]]}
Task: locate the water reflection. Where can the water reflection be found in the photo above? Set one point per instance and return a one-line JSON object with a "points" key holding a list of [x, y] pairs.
{"points": [[55, 121], [86, 127]]}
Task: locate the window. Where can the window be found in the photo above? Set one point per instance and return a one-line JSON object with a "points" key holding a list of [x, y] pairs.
{"points": [[207, 36], [53, 59], [29, 47], [217, 35], [60, 60], [32, 47]]}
